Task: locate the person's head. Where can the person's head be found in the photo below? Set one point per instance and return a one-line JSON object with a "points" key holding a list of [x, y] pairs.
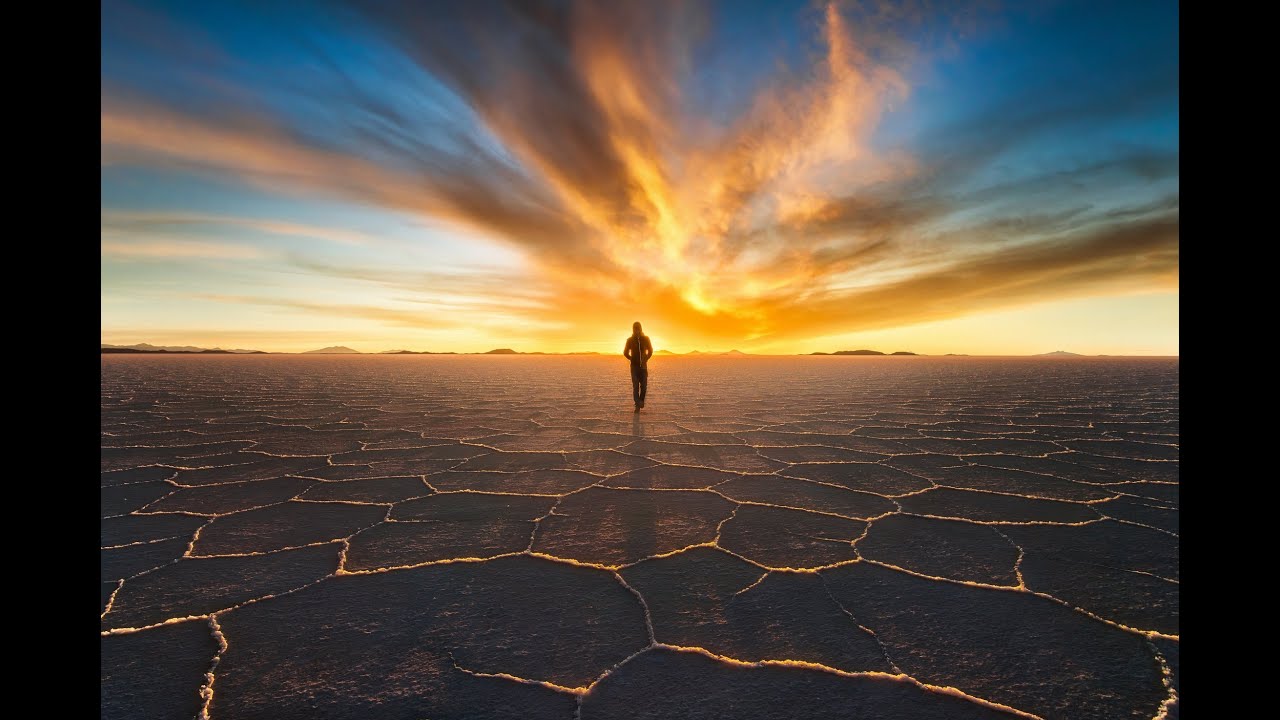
{"points": [[635, 328]]}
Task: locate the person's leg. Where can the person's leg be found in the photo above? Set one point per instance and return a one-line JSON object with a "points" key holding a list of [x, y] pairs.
{"points": [[644, 384], [635, 385]]}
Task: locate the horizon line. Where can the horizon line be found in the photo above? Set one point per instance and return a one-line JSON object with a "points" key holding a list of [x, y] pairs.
{"points": [[664, 351]]}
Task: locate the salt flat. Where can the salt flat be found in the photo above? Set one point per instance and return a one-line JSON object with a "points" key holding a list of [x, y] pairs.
{"points": [[502, 537]]}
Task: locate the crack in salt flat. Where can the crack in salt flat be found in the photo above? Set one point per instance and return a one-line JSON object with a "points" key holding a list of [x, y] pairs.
{"points": [[884, 649], [582, 692]]}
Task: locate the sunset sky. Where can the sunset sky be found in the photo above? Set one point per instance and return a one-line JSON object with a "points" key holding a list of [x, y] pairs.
{"points": [[775, 177]]}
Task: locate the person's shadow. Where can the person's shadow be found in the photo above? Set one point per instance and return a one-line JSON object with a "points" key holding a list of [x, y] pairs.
{"points": [[639, 515]]}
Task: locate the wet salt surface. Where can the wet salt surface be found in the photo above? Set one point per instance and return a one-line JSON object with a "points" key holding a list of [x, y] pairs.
{"points": [[477, 537]]}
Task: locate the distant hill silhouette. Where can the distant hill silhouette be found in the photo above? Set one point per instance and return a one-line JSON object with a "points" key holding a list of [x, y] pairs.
{"points": [[663, 352], [173, 349], [333, 350], [1059, 353], [862, 352], [502, 351]]}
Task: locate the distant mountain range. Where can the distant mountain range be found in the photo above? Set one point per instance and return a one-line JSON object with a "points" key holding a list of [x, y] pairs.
{"points": [[333, 350], [174, 350], [863, 352], [1059, 353]]}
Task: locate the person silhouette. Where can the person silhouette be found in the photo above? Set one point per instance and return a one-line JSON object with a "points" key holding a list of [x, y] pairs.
{"points": [[638, 350]]}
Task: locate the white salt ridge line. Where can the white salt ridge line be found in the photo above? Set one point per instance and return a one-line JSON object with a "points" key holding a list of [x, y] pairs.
{"points": [[149, 570], [819, 538], [916, 475], [343, 502], [1051, 523], [1113, 567], [463, 560], [758, 503], [752, 585], [886, 496], [195, 536], [853, 544], [660, 489], [1138, 524], [890, 498], [727, 551], [575, 691], [644, 606], [225, 483], [138, 482], [1171, 697], [720, 525], [1057, 477], [1124, 457], [1067, 454], [169, 621], [537, 523], [346, 543], [884, 649], [1040, 497], [1009, 588], [208, 615], [111, 599], [140, 542], [228, 513], [1017, 564], [581, 692], [260, 553], [468, 491], [206, 691], [933, 486], [665, 463], [177, 447], [190, 513], [1073, 481], [1147, 502]]}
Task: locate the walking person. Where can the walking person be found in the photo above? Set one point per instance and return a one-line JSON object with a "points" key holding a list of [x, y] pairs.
{"points": [[638, 350]]}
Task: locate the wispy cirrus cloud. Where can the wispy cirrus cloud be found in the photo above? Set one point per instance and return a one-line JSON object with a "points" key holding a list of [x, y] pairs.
{"points": [[157, 222], [172, 249]]}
